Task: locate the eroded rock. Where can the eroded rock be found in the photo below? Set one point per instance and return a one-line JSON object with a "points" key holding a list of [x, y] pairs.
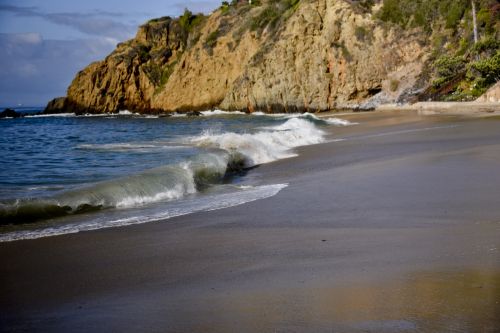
{"points": [[317, 55]]}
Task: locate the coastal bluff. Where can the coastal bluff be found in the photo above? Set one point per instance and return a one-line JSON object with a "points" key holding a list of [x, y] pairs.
{"points": [[273, 56]]}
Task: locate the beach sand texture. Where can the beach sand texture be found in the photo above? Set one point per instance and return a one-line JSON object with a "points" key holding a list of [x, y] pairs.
{"points": [[391, 226]]}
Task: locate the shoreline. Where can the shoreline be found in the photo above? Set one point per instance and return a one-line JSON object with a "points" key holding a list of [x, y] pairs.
{"points": [[473, 108], [393, 228], [450, 108], [476, 109]]}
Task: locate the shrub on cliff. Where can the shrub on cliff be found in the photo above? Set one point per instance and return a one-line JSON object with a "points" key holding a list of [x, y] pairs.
{"points": [[211, 41], [489, 68], [362, 34], [188, 21], [272, 13], [487, 46], [447, 66], [462, 68], [423, 13], [224, 4]]}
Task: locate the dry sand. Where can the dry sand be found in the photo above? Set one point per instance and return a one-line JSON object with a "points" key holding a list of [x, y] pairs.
{"points": [[395, 228], [475, 109]]}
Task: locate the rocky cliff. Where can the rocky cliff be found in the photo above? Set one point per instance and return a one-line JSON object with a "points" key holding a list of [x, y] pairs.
{"points": [[287, 55], [129, 77]]}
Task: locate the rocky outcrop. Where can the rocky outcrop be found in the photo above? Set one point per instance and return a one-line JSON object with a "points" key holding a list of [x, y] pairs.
{"points": [[492, 95], [129, 77], [9, 113], [57, 105], [305, 55]]}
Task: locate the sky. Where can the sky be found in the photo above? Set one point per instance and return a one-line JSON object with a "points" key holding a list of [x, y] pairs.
{"points": [[44, 43]]}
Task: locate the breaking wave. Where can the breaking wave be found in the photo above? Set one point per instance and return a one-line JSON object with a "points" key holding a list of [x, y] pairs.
{"points": [[308, 116], [51, 115], [220, 112], [246, 194], [160, 184], [225, 154], [269, 144]]}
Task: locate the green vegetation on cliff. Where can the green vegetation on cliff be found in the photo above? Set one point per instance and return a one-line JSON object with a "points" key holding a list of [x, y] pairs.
{"points": [[299, 55], [462, 69]]}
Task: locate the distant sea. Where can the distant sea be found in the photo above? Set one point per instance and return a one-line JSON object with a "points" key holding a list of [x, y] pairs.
{"points": [[65, 174]]}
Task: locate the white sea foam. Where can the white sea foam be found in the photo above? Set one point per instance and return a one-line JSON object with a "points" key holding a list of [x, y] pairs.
{"points": [[97, 115], [338, 121], [137, 147], [177, 192], [220, 112], [51, 115], [161, 184], [276, 115], [269, 145], [104, 115], [172, 182], [45, 187], [115, 146], [178, 115], [205, 203], [327, 120], [126, 113]]}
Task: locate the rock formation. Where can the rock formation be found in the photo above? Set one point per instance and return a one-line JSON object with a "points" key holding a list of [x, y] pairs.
{"points": [[129, 77], [10, 113], [327, 56], [276, 56], [492, 95], [57, 105]]}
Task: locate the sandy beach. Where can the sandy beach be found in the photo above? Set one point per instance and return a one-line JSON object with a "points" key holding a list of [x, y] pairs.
{"points": [[393, 225]]}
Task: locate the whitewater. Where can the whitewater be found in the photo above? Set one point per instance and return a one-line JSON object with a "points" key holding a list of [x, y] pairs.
{"points": [[69, 174]]}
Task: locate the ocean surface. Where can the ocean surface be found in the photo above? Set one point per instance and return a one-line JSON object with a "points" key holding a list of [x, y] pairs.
{"points": [[65, 174]]}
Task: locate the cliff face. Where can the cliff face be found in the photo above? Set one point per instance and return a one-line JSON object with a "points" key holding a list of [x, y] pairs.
{"points": [[327, 56], [283, 55], [129, 77], [206, 71], [492, 95]]}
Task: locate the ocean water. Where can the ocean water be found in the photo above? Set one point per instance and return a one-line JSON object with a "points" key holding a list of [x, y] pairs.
{"points": [[66, 173]]}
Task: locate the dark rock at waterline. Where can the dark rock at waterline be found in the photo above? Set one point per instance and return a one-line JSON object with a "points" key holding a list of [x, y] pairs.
{"points": [[193, 114], [9, 113], [57, 105]]}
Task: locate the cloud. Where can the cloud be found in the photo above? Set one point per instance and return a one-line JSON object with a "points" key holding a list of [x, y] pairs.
{"points": [[197, 6], [14, 45], [25, 11], [97, 23], [92, 25], [34, 70]]}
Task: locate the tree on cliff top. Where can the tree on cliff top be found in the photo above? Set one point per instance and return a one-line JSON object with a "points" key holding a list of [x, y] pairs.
{"points": [[457, 30]]}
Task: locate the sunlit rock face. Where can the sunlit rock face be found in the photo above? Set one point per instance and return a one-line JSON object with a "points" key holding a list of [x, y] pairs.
{"points": [[279, 56]]}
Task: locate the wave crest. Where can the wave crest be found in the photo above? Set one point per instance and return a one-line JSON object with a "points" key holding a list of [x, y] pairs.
{"points": [[161, 184], [271, 144], [227, 153]]}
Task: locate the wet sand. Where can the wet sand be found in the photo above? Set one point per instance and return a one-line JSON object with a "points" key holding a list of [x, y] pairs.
{"points": [[395, 228]]}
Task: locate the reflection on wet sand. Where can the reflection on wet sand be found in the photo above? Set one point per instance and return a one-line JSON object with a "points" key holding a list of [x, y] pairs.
{"points": [[466, 301]]}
